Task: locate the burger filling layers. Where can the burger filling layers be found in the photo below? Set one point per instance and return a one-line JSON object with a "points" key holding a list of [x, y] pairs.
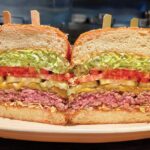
{"points": [[114, 60], [33, 77], [35, 58], [112, 81]]}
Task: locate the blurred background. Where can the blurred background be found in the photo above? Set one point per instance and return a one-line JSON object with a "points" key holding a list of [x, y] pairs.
{"points": [[77, 16]]}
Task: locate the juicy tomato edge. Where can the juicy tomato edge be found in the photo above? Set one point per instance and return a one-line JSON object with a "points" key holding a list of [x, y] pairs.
{"points": [[31, 72], [116, 74]]}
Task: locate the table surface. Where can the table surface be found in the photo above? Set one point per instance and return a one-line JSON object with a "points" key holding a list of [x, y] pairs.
{"points": [[7, 144]]}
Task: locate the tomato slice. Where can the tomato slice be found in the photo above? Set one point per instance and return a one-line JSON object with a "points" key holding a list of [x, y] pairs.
{"points": [[88, 78], [127, 75], [58, 77], [22, 71], [115, 74], [43, 71], [32, 72], [18, 71], [94, 71]]}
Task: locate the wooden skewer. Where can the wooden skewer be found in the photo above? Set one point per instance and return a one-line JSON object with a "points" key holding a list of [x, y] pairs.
{"points": [[35, 17], [6, 17], [134, 22], [107, 19]]}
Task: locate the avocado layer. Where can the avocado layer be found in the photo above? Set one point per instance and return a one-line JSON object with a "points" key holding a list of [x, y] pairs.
{"points": [[113, 60], [34, 58]]}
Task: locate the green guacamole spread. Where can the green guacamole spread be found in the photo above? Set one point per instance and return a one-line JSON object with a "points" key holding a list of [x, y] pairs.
{"points": [[34, 58], [113, 60]]}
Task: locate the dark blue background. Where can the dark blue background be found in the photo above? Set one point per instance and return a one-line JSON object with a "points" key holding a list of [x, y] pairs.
{"points": [[59, 12]]}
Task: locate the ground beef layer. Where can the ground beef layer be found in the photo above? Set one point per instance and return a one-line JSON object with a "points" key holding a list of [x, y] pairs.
{"points": [[33, 96], [111, 99]]}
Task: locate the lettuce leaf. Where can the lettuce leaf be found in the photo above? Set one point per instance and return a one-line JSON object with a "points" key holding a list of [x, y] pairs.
{"points": [[113, 60], [35, 58]]}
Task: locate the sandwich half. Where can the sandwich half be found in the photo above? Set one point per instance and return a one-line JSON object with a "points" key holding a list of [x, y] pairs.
{"points": [[112, 77], [33, 73]]}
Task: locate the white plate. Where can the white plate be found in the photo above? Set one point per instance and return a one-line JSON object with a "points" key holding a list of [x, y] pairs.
{"points": [[23, 130]]}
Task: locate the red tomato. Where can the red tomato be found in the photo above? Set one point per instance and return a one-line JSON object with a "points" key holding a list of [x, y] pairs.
{"points": [[3, 71], [69, 76], [22, 71], [88, 78], [145, 80], [57, 77], [115, 74], [94, 71], [43, 71], [31, 72], [11, 71], [126, 74]]}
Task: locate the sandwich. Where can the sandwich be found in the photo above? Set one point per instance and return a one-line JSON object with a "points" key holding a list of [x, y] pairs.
{"points": [[34, 62], [112, 77]]}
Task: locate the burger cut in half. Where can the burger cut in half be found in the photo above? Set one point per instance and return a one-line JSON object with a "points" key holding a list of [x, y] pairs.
{"points": [[112, 83], [33, 73]]}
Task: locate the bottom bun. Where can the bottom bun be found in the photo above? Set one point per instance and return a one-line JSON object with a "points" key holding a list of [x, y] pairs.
{"points": [[33, 114], [108, 117]]}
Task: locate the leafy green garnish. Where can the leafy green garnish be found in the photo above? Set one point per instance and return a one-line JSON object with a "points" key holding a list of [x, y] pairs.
{"points": [[35, 58], [113, 60]]}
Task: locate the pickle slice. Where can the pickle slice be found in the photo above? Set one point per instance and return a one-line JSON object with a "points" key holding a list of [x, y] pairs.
{"points": [[147, 85], [118, 82]]}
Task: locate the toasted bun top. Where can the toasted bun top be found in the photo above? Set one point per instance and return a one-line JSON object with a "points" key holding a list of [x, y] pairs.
{"points": [[130, 40], [14, 36]]}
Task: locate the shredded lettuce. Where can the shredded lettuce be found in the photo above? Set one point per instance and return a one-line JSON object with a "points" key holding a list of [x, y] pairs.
{"points": [[34, 58], [113, 60]]}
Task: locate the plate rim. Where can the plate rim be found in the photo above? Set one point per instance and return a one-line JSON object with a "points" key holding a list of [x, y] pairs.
{"points": [[75, 129]]}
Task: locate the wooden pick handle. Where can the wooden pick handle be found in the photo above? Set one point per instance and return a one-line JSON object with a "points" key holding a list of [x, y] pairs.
{"points": [[107, 19], [134, 22], [35, 17], [6, 17]]}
